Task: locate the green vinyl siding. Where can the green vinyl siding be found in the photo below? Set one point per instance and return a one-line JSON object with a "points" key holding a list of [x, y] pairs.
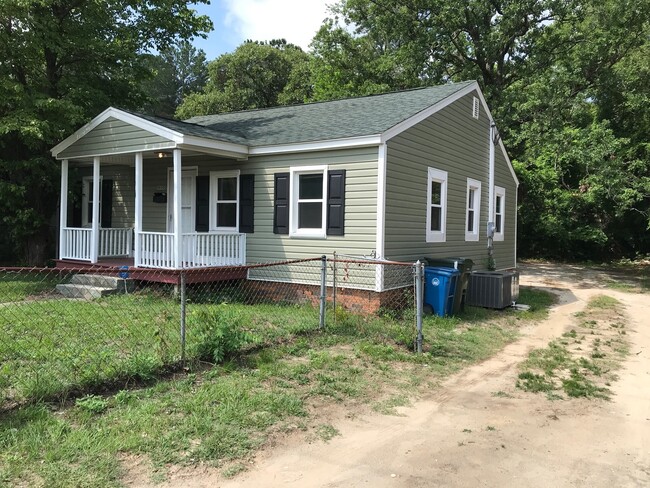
{"points": [[450, 140], [504, 255], [263, 245], [115, 137]]}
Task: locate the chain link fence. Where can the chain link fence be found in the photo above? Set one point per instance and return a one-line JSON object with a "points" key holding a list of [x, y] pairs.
{"points": [[69, 331]]}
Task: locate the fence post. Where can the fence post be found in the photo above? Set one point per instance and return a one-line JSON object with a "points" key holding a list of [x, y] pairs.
{"points": [[334, 285], [183, 311], [323, 291], [418, 304]]}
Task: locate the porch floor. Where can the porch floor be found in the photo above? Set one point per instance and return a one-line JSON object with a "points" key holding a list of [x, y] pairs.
{"points": [[157, 275]]}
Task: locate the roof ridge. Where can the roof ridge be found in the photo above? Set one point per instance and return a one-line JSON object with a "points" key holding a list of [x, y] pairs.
{"points": [[358, 97]]}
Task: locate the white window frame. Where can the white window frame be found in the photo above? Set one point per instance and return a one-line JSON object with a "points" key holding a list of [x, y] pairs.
{"points": [[438, 176], [499, 192], [214, 200], [86, 199], [295, 173], [475, 185], [476, 108]]}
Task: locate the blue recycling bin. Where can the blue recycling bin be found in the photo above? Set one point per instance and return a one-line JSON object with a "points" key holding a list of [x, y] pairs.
{"points": [[440, 288]]}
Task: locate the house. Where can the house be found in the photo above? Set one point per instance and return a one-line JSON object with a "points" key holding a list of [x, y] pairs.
{"points": [[399, 176]]}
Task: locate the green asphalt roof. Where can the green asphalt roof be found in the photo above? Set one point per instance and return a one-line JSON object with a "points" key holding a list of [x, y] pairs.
{"points": [[321, 121]]}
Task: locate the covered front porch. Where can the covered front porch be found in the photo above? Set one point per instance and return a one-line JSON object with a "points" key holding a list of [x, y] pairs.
{"points": [[151, 220]]}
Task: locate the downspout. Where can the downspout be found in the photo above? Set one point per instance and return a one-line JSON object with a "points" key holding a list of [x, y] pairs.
{"points": [[490, 225]]}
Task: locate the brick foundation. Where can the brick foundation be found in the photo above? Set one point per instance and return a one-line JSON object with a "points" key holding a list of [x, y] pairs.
{"points": [[361, 301]]}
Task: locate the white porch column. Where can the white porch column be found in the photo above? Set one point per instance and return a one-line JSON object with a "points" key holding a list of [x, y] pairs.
{"points": [[137, 228], [178, 225], [94, 247], [63, 207]]}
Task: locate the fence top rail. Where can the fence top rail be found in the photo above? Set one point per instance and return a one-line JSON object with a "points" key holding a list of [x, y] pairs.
{"points": [[370, 261]]}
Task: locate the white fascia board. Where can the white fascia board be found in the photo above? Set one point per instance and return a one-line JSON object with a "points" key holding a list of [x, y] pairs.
{"points": [[155, 147], [503, 148], [373, 140], [218, 147], [428, 112], [118, 114]]}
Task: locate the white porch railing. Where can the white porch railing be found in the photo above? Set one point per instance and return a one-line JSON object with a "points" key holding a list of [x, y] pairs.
{"points": [[156, 250], [76, 243], [115, 242], [203, 250], [199, 250]]}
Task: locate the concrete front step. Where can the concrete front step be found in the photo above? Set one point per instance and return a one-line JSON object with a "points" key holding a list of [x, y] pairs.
{"points": [[88, 292], [103, 281]]}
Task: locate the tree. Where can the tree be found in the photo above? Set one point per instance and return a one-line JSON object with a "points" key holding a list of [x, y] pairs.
{"points": [[62, 62], [177, 72], [255, 75]]}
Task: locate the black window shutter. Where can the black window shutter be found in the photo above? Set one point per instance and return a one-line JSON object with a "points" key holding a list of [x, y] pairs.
{"points": [[202, 223], [281, 206], [246, 203], [336, 202], [106, 217]]}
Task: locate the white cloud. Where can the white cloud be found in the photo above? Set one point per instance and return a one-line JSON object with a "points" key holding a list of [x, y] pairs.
{"points": [[262, 20]]}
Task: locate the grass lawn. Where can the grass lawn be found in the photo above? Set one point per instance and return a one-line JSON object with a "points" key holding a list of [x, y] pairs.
{"points": [[284, 372]]}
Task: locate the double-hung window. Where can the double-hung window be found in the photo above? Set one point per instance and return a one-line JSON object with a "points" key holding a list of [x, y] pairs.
{"points": [[473, 210], [436, 205], [224, 209], [308, 209], [499, 212]]}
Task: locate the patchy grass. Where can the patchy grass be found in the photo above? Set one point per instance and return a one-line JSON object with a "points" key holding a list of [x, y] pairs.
{"points": [[16, 287], [575, 365], [283, 375]]}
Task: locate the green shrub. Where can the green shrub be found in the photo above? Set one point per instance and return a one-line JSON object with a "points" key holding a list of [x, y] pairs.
{"points": [[218, 332]]}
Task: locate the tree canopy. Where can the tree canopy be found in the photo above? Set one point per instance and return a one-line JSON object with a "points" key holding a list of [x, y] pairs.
{"points": [[62, 62], [255, 75]]}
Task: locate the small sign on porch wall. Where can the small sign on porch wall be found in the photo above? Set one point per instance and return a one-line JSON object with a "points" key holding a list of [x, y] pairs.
{"points": [[160, 197]]}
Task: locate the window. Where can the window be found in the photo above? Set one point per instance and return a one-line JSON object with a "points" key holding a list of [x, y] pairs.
{"points": [[224, 195], [499, 212], [307, 212], [87, 201], [475, 107], [472, 217], [436, 205]]}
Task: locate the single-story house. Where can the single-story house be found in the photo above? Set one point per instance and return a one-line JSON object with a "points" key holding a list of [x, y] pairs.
{"points": [[397, 176]]}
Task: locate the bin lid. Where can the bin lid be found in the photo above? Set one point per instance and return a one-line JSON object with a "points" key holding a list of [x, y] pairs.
{"points": [[440, 270]]}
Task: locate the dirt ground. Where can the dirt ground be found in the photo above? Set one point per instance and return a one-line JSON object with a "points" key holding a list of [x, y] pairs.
{"points": [[462, 435]]}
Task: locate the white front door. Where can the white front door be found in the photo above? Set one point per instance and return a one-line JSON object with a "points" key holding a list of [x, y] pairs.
{"points": [[188, 199]]}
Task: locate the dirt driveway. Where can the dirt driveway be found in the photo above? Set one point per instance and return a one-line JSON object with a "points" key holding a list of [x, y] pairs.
{"points": [[464, 435]]}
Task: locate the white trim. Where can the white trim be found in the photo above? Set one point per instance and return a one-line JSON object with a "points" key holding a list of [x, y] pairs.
{"points": [[428, 112], [515, 206], [503, 149], [295, 172], [187, 171], [475, 108], [441, 177], [63, 206], [380, 244], [491, 163], [221, 146], [475, 185], [139, 177], [94, 239], [372, 140], [499, 192], [87, 220], [214, 194], [134, 120]]}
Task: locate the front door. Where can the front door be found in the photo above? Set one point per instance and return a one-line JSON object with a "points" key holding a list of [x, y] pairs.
{"points": [[188, 199]]}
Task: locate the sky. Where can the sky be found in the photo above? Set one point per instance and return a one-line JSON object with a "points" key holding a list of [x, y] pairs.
{"points": [[260, 20]]}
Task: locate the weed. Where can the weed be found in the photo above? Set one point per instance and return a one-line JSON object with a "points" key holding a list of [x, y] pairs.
{"points": [[490, 428], [579, 386], [534, 382], [603, 302], [326, 432], [501, 394], [220, 332], [92, 404]]}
